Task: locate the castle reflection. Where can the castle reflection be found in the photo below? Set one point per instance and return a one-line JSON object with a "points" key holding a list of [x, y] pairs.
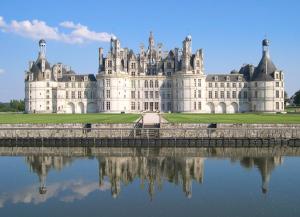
{"points": [[151, 171]]}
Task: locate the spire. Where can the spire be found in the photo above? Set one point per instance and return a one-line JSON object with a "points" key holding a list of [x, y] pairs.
{"points": [[42, 45], [151, 41]]}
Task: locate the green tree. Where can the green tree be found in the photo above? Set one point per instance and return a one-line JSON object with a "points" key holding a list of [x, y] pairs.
{"points": [[297, 98]]}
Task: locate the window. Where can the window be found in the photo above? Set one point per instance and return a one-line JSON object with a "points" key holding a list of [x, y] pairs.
{"points": [[209, 84], [255, 84], [195, 106], [107, 105], [146, 84], [151, 94], [240, 95], [234, 85], [240, 85], [73, 94], [277, 76], [228, 84], [79, 84], [132, 94], [277, 105], [222, 84], [156, 105], [109, 71], [169, 65], [133, 65], [79, 94], [195, 94], [156, 83], [66, 85], [234, 94], [132, 105], [277, 93], [151, 84], [245, 95], [210, 94], [86, 94], [107, 94], [255, 94], [132, 83], [146, 94], [146, 105], [216, 84], [228, 95], [156, 95], [107, 83], [67, 95], [198, 63], [199, 105], [199, 82], [195, 82], [222, 94], [216, 94], [73, 84], [199, 93], [109, 63], [138, 94], [277, 84]]}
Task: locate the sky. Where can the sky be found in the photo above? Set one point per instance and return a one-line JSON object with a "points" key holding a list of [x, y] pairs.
{"points": [[229, 32]]}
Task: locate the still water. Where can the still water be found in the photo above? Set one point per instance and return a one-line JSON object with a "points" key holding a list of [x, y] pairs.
{"points": [[142, 182]]}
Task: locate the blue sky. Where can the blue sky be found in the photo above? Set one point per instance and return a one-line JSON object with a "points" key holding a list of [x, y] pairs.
{"points": [[229, 31]]}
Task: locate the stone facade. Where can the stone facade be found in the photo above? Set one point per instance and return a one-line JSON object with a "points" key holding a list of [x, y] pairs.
{"points": [[153, 80]]}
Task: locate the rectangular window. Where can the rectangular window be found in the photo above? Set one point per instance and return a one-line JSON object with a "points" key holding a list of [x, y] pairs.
{"points": [[132, 94], [79, 85], [216, 94], [209, 84], [199, 93], [234, 85], [228, 84], [199, 105], [73, 94], [146, 106], [277, 93], [138, 94], [222, 94], [234, 94], [216, 84], [107, 94], [277, 84], [222, 84], [151, 94], [109, 63], [210, 94], [195, 106], [255, 94], [156, 105], [228, 95], [156, 95], [195, 94], [132, 83], [66, 85], [277, 105], [195, 82], [146, 94], [132, 105], [199, 82], [107, 83], [79, 94], [107, 105]]}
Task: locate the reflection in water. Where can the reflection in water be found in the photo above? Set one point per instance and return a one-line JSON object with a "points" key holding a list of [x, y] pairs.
{"points": [[116, 171]]}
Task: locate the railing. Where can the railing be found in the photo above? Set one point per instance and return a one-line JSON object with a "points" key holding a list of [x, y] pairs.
{"points": [[152, 133]]}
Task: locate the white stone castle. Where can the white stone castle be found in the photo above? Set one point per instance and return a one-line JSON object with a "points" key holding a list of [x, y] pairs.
{"points": [[153, 80]]}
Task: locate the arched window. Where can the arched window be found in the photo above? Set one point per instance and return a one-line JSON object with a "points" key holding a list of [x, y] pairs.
{"points": [[151, 84], [146, 84], [156, 83]]}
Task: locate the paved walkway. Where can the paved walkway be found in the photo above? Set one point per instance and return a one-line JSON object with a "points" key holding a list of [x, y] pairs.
{"points": [[151, 118]]}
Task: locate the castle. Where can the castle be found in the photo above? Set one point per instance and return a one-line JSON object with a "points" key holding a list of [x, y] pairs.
{"points": [[153, 80]]}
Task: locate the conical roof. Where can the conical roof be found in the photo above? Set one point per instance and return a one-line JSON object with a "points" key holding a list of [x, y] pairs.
{"points": [[265, 69]]}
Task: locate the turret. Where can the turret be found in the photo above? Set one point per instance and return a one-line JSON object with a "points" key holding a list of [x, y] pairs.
{"points": [[186, 52]]}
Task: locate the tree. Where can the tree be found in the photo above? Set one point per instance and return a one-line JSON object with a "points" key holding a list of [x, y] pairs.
{"points": [[296, 98]]}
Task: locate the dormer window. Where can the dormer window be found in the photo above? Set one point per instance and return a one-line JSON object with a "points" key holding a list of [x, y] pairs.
{"points": [[227, 78], [239, 78], [216, 78], [85, 78], [73, 78]]}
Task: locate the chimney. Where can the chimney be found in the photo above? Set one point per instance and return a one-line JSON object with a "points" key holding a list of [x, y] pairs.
{"points": [[100, 58]]}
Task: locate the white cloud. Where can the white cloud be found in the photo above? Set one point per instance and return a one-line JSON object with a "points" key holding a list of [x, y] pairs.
{"points": [[2, 71], [68, 32]]}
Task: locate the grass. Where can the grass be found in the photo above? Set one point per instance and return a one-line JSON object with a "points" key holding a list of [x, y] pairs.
{"points": [[247, 118], [11, 118]]}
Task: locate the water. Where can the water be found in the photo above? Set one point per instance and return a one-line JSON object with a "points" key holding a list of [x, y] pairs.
{"points": [[143, 182]]}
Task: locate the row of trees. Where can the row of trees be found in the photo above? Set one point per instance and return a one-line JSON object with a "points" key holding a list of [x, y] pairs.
{"points": [[13, 106], [296, 98]]}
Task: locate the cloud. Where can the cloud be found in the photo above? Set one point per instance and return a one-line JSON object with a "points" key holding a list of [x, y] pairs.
{"points": [[2, 71], [67, 31]]}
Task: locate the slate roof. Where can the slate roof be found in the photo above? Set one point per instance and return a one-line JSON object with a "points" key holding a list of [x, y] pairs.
{"points": [[265, 69]]}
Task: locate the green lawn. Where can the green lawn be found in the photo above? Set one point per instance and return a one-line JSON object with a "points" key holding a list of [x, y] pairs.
{"points": [[11, 118], [234, 118]]}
